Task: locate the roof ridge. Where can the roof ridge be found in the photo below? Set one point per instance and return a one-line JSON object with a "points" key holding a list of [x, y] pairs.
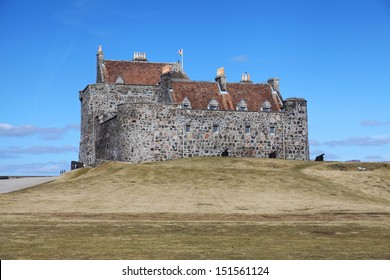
{"points": [[145, 62]]}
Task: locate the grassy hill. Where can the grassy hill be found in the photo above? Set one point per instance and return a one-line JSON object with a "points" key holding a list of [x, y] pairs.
{"points": [[203, 208]]}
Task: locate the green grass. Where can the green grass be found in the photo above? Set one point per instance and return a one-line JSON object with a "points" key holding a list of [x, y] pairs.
{"points": [[203, 208]]}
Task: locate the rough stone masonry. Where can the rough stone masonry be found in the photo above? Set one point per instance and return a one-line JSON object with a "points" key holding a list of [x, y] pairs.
{"points": [[141, 111]]}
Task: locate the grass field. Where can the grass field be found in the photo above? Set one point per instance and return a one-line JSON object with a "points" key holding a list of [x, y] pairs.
{"points": [[203, 208]]}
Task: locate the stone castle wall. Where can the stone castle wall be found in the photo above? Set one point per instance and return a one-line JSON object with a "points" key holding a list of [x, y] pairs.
{"points": [[296, 129], [149, 132], [99, 102]]}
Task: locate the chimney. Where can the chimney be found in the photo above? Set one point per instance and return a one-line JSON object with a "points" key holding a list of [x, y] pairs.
{"points": [[246, 78], [100, 65], [274, 83], [139, 56], [221, 78]]}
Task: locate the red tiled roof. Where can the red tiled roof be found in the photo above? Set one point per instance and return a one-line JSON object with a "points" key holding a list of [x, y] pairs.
{"points": [[133, 72], [200, 94]]}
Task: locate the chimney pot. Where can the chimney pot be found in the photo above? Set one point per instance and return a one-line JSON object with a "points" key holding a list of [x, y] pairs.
{"points": [[245, 78], [139, 56]]}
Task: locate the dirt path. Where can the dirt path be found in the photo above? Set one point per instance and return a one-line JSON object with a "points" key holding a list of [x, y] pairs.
{"points": [[15, 184]]}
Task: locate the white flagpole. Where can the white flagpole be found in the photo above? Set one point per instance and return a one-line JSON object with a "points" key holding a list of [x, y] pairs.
{"points": [[181, 53], [182, 59]]}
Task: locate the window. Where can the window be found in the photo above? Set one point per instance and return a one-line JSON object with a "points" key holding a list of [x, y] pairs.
{"points": [[242, 106], [215, 128], [272, 130], [213, 105], [266, 107], [188, 128], [119, 80], [186, 103], [247, 128]]}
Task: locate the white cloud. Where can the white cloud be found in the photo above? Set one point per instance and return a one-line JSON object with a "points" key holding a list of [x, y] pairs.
{"points": [[359, 141], [44, 168], [13, 152], [374, 123], [314, 143], [49, 133], [239, 58], [375, 157]]}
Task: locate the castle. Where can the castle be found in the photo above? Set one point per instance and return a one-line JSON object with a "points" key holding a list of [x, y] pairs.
{"points": [[141, 111]]}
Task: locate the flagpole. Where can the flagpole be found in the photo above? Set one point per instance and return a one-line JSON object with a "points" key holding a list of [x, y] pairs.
{"points": [[181, 53]]}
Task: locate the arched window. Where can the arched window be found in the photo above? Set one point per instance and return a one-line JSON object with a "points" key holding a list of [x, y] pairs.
{"points": [[186, 103], [242, 106], [213, 105], [266, 106]]}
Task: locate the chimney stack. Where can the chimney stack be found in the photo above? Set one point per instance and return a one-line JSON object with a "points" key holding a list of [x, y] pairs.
{"points": [[274, 83], [139, 56], [221, 78], [246, 78]]}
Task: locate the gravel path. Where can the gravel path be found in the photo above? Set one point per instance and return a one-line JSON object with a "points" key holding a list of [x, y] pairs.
{"points": [[15, 184]]}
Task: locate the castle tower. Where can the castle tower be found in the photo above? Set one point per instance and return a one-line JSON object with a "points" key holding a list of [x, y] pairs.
{"points": [[295, 136]]}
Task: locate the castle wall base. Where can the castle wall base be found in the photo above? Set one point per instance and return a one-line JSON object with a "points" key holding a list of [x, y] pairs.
{"points": [[152, 132]]}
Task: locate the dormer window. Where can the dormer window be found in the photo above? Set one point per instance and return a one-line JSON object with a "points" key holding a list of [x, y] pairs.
{"points": [[266, 106], [186, 103], [213, 105], [242, 106], [119, 80]]}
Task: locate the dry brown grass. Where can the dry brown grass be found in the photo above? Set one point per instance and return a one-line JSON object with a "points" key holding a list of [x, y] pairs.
{"points": [[216, 208]]}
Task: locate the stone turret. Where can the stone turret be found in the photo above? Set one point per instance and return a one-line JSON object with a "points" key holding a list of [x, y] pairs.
{"points": [[100, 66]]}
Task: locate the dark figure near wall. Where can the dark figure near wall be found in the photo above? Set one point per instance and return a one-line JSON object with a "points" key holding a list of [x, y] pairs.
{"points": [[272, 155], [76, 165], [225, 153], [320, 157]]}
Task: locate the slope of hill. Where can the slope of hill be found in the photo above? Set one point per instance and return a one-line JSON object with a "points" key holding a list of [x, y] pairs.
{"points": [[314, 207]]}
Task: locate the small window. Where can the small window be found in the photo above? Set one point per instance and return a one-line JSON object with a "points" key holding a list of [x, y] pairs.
{"points": [[186, 103], [213, 105], [215, 128], [119, 80], [188, 128], [247, 129], [272, 130], [266, 107], [242, 106]]}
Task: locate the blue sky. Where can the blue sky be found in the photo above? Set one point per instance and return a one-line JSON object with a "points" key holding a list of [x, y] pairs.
{"points": [[335, 54]]}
